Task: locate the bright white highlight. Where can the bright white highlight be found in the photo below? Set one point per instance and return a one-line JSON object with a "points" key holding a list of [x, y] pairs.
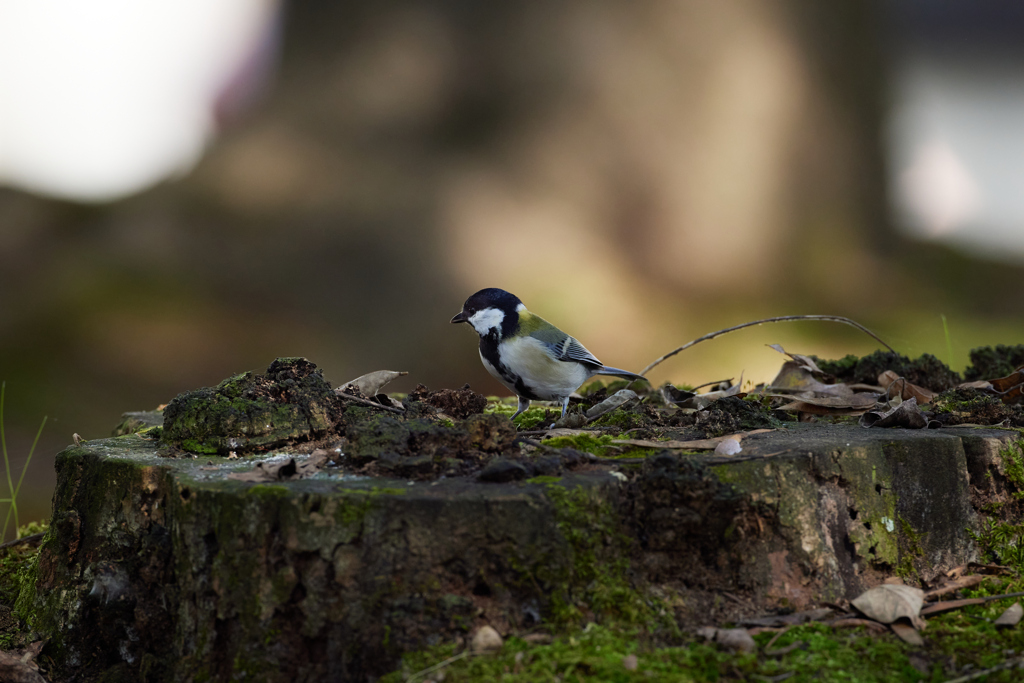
{"points": [[104, 98]]}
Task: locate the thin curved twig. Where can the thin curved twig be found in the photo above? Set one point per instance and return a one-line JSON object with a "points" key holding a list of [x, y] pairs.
{"points": [[366, 402], [783, 318]]}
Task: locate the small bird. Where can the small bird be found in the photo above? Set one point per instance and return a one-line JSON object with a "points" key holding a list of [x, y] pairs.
{"points": [[526, 353]]}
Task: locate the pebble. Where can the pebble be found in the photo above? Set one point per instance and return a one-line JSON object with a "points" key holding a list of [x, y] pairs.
{"points": [[486, 639]]}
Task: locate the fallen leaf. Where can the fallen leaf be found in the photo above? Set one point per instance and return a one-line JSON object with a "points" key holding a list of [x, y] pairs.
{"points": [[1011, 387], [486, 640], [1013, 379], [676, 396], [805, 362], [889, 602], [1011, 617], [907, 633], [862, 401], [729, 446], [616, 400], [370, 384], [907, 390], [905, 414], [735, 639]]}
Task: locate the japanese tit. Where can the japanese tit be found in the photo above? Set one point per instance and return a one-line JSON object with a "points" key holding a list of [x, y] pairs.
{"points": [[526, 353]]}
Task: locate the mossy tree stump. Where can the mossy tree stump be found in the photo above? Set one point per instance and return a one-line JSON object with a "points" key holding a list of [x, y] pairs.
{"points": [[165, 569]]}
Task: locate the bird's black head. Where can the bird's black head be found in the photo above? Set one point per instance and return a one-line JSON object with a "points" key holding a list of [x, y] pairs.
{"points": [[491, 309]]}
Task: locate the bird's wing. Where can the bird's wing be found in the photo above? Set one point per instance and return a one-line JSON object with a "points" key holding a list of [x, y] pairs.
{"points": [[560, 345], [565, 348], [571, 349]]}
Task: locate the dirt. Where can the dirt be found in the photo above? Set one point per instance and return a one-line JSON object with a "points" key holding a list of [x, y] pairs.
{"points": [[926, 371], [974, 406], [457, 403]]}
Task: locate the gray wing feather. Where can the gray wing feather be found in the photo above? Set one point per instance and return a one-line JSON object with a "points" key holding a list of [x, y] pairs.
{"points": [[573, 350], [565, 348]]}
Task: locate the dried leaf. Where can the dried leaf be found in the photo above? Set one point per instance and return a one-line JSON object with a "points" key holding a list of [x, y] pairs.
{"points": [[1015, 378], [805, 362], [1011, 617], [907, 390], [616, 400], [854, 404], [701, 401], [889, 602], [371, 383], [735, 639], [729, 446], [905, 414], [486, 640], [907, 633], [676, 396]]}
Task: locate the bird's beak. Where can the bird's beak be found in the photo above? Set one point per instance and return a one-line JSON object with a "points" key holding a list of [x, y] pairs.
{"points": [[460, 318]]}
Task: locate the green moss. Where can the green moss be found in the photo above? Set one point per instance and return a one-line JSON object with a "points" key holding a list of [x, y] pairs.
{"points": [[18, 569], [960, 642], [534, 417], [292, 401], [1013, 465], [598, 579], [623, 419], [588, 443], [910, 550], [1001, 542], [543, 479]]}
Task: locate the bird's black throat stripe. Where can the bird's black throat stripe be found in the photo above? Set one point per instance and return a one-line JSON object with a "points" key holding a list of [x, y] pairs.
{"points": [[489, 350]]}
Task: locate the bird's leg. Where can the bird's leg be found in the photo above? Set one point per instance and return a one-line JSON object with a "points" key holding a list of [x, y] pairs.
{"points": [[565, 405], [524, 403]]}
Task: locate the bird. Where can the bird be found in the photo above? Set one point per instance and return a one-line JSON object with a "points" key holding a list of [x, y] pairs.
{"points": [[529, 355]]}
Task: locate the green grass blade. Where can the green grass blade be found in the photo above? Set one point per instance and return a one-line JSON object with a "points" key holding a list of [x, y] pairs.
{"points": [[949, 341]]}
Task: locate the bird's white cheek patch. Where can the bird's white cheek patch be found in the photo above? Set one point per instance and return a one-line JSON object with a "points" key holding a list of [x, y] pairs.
{"points": [[486, 320]]}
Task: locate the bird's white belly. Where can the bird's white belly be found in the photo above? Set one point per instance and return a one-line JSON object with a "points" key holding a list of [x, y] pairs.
{"points": [[548, 378]]}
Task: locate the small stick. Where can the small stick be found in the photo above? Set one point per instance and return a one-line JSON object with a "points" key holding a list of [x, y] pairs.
{"points": [[366, 402], [833, 318], [1008, 664], [32, 538]]}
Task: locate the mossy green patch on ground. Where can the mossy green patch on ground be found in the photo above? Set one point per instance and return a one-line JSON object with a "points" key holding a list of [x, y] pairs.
{"points": [[291, 402], [533, 417], [956, 643], [588, 443], [17, 576], [1013, 465], [1001, 542]]}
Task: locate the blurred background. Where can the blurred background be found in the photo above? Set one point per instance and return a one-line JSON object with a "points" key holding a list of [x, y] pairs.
{"points": [[191, 189]]}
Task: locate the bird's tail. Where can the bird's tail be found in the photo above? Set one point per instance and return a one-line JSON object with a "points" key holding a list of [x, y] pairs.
{"points": [[625, 374]]}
